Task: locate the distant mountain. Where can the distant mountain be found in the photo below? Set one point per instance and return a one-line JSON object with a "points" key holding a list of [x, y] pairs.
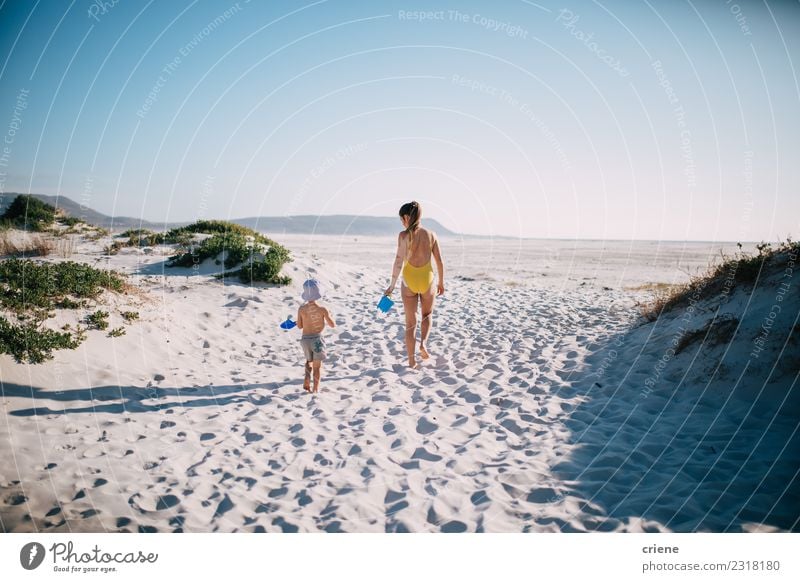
{"points": [[335, 225], [72, 208], [332, 225]]}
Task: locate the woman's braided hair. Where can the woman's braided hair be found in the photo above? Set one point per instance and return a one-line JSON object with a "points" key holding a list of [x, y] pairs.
{"points": [[414, 212]]}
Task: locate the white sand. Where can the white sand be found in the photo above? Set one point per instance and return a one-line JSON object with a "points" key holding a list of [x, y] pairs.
{"points": [[196, 418]]}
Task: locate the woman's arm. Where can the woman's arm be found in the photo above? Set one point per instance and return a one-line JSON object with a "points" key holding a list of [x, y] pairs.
{"points": [[299, 320], [437, 256], [398, 262]]}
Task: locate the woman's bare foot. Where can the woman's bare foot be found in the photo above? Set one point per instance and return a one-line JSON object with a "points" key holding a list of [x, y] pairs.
{"points": [[412, 363], [423, 353]]}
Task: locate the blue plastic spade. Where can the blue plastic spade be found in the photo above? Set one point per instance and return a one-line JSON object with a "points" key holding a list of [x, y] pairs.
{"points": [[288, 324], [385, 304]]}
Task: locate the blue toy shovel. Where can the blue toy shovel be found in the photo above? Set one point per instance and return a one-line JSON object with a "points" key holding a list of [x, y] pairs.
{"points": [[385, 304], [288, 324]]}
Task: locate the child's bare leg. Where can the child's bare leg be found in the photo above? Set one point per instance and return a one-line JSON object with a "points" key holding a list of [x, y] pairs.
{"points": [[425, 325], [307, 379], [317, 370]]}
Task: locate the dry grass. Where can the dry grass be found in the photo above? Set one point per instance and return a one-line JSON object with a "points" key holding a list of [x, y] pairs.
{"points": [[96, 233], [720, 279], [7, 246], [715, 332], [40, 247], [66, 247], [34, 246], [655, 287]]}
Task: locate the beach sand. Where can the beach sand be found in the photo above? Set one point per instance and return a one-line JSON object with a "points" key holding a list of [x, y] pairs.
{"points": [[521, 420]]}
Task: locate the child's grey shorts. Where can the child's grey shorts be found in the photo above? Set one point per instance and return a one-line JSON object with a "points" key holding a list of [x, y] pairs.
{"points": [[313, 347]]}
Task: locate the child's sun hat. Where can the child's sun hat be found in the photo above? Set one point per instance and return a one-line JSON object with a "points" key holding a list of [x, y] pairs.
{"points": [[311, 291]]}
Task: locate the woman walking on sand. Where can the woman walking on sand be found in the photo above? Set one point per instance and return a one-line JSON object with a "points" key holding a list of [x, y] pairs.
{"points": [[415, 246]]}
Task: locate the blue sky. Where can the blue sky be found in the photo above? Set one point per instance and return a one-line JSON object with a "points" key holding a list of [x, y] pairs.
{"points": [[653, 120]]}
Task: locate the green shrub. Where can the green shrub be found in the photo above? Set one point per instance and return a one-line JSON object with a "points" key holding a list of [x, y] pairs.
{"points": [[130, 316], [117, 332], [28, 342], [98, 319], [97, 233], [29, 213], [214, 227], [32, 290], [266, 269], [241, 246], [237, 249], [25, 284], [113, 248], [67, 220], [67, 303], [142, 237]]}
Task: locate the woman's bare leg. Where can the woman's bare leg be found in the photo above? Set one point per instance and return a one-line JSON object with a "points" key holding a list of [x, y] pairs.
{"points": [[427, 316], [410, 301]]}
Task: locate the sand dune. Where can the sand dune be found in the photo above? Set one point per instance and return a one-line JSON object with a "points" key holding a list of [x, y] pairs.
{"points": [[196, 419]]}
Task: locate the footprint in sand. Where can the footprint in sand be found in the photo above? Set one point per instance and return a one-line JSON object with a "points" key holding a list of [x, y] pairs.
{"points": [[15, 499], [459, 421], [285, 526], [224, 506], [93, 452], [395, 507], [166, 501], [512, 426], [479, 498], [303, 498], [470, 397], [424, 426], [543, 495], [454, 527], [280, 492], [422, 453]]}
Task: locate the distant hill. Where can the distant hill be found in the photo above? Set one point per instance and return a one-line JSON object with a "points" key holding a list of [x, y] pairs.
{"points": [[72, 208], [336, 225], [331, 225]]}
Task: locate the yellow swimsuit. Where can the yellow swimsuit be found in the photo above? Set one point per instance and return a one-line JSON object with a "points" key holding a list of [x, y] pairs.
{"points": [[418, 279]]}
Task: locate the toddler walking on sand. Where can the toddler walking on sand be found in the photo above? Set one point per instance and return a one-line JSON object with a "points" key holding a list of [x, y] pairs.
{"points": [[311, 318]]}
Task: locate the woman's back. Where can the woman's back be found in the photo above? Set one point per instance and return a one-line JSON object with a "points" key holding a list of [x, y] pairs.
{"points": [[421, 247]]}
